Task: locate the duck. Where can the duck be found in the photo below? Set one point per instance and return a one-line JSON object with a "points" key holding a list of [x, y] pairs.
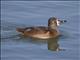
{"points": [[43, 32]]}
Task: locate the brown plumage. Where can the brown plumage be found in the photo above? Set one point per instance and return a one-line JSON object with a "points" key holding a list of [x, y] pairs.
{"points": [[42, 32]]}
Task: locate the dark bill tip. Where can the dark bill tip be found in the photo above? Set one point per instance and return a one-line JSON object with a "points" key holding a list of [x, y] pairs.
{"points": [[65, 20]]}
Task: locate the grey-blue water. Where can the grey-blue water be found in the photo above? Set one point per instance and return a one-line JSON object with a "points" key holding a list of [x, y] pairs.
{"points": [[32, 13]]}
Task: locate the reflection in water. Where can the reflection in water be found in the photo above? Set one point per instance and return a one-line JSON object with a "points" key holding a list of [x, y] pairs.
{"points": [[52, 44]]}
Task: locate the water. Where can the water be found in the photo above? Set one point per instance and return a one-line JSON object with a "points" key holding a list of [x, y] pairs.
{"points": [[24, 13]]}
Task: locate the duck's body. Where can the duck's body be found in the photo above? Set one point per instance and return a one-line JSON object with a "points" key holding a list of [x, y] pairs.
{"points": [[42, 32], [38, 32]]}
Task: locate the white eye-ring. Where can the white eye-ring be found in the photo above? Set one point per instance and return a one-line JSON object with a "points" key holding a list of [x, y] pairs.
{"points": [[58, 22]]}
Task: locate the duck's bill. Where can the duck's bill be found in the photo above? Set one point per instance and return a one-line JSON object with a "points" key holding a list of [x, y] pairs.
{"points": [[59, 22], [63, 21]]}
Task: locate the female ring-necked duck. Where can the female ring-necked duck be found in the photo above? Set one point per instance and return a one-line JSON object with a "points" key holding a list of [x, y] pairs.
{"points": [[43, 32]]}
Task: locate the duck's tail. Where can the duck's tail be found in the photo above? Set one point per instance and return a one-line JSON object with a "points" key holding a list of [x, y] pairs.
{"points": [[20, 30]]}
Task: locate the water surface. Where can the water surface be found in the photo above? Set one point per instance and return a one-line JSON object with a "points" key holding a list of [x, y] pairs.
{"points": [[24, 13]]}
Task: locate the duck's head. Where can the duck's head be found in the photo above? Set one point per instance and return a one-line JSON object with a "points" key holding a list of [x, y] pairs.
{"points": [[54, 22]]}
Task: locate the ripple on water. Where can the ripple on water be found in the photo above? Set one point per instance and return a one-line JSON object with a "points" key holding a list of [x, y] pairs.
{"points": [[16, 47]]}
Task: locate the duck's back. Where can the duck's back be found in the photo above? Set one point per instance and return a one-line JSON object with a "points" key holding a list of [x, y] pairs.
{"points": [[36, 30]]}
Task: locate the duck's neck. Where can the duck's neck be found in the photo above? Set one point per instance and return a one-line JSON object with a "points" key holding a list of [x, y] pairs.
{"points": [[53, 27]]}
